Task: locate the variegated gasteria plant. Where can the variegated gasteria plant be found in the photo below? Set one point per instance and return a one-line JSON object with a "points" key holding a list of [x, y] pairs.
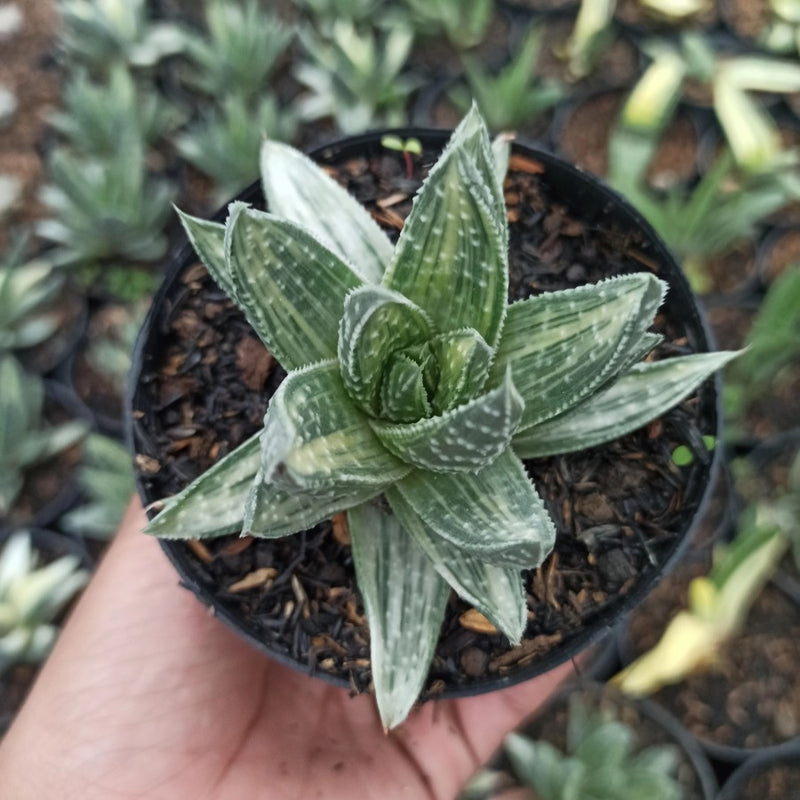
{"points": [[414, 390]]}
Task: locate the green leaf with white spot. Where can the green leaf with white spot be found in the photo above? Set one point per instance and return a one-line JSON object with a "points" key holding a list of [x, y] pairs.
{"points": [[451, 258], [494, 514], [208, 240], [290, 287], [643, 393], [300, 191], [377, 322], [463, 360], [403, 394], [213, 504], [562, 346], [315, 436], [404, 600], [271, 512], [497, 592], [463, 439]]}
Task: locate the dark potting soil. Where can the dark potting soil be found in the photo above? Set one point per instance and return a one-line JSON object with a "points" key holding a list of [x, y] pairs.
{"points": [[747, 18], [618, 508], [749, 697], [550, 725], [777, 782]]}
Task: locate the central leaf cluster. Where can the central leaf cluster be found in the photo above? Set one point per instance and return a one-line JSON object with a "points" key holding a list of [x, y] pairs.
{"points": [[394, 365]]}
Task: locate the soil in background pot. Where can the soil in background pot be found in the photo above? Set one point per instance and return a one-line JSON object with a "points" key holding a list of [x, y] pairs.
{"points": [[620, 509]]}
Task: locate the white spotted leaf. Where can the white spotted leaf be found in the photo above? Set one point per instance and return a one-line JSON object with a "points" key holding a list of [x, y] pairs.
{"points": [[404, 599], [643, 393], [316, 437], [290, 287], [463, 439], [497, 592], [494, 514], [300, 191]]}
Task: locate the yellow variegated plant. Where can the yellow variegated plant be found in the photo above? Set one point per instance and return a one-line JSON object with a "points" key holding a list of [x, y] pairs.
{"points": [[414, 390]]}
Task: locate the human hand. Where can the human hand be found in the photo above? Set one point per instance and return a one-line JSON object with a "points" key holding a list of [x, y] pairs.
{"points": [[147, 696]]}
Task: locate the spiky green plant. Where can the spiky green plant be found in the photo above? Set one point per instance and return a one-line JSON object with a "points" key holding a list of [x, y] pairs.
{"points": [[239, 50], [107, 483], [100, 32], [24, 440], [414, 391], [701, 222], [463, 24], [96, 116], [514, 96], [356, 77], [31, 598], [27, 292], [105, 208], [601, 762], [224, 143]]}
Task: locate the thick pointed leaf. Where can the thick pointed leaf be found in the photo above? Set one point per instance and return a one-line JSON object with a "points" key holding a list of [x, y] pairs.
{"points": [[214, 503], [376, 323], [464, 439], [271, 512], [561, 346], [297, 189], [315, 436], [494, 514], [463, 360], [404, 599], [208, 240], [497, 592], [451, 258], [291, 287], [403, 395], [639, 396]]}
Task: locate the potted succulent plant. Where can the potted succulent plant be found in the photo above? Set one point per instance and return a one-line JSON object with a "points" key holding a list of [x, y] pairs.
{"points": [[413, 393]]}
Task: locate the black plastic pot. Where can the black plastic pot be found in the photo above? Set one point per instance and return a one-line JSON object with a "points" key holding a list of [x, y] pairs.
{"points": [[788, 755], [599, 206]]}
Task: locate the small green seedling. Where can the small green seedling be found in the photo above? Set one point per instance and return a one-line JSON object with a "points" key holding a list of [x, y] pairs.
{"points": [[407, 147]]}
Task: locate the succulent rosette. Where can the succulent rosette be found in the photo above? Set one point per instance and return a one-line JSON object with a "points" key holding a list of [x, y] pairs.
{"points": [[414, 390]]}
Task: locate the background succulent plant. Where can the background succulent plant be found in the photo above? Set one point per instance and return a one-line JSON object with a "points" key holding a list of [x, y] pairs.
{"points": [[31, 598], [600, 763], [414, 391], [24, 441]]}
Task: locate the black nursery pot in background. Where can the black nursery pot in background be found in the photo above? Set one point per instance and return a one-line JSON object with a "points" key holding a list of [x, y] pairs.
{"points": [[201, 381]]}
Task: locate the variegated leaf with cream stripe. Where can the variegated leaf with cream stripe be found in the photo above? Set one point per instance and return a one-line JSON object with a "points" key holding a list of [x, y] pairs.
{"points": [[462, 359], [270, 512], [562, 345], [296, 189], [637, 397], [404, 599], [497, 592], [376, 323], [315, 436], [213, 504], [208, 240], [463, 439], [451, 259], [290, 287], [494, 514]]}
